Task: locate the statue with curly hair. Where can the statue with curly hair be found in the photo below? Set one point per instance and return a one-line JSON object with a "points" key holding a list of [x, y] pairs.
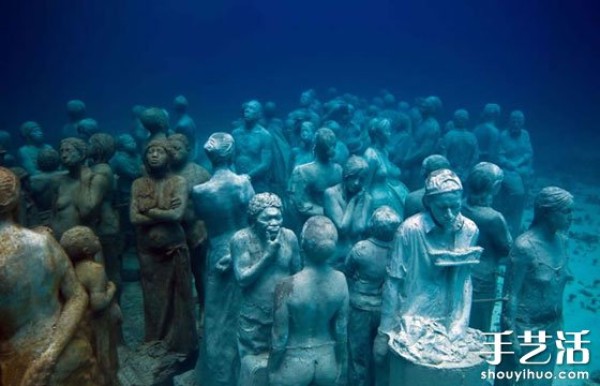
{"points": [[158, 203], [262, 254], [27, 155]]}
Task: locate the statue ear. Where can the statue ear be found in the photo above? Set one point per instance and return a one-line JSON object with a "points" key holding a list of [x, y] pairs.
{"points": [[496, 186], [425, 201]]}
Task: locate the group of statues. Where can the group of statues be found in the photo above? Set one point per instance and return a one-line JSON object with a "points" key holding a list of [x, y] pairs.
{"points": [[319, 246]]}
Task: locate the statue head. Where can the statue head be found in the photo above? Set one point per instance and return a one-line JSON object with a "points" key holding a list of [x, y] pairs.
{"points": [[516, 122], [126, 143], [443, 197], [333, 126], [180, 104], [307, 97], [429, 106], [80, 242], [354, 173], [73, 151], [137, 110], [383, 223], [10, 188], [180, 148], [101, 148], [219, 148], [491, 112], [75, 110], [460, 118], [87, 127], [32, 131], [389, 100], [252, 111], [48, 160], [318, 239], [307, 132], [403, 106], [432, 163], [155, 120], [270, 110], [553, 208], [484, 181], [157, 156], [265, 215], [325, 142], [380, 130]]}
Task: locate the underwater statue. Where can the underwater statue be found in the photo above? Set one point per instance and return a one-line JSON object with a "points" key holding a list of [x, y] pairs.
{"points": [[282, 152], [104, 314], [41, 303], [309, 181], [184, 124], [254, 148], [483, 183], [43, 187], [86, 128], [459, 145], [158, 203], [7, 159], [341, 150], [262, 255], [366, 270], [487, 133], [536, 276], [27, 155], [348, 205], [222, 203], [304, 152], [138, 131], [156, 122], [427, 296], [414, 200], [515, 157], [310, 319], [383, 177], [76, 111]]}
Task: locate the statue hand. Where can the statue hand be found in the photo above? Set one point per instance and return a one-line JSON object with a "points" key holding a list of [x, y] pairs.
{"points": [[38, 373], [175, 203], [273, 245], [380, 347], [223, 264]]}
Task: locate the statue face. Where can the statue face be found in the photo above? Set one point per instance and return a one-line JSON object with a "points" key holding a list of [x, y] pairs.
{"points": [[305, 99], [326, 149], [36, 134], [445, 207], [561, 219], [156, 157], [180, 153], [251, 111], [306, 133], [516, 123], [268, 222], [129, 144], [354, 183], [69, 155]]}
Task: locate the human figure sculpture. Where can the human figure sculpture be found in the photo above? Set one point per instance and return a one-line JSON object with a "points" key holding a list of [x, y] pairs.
{"points": [[222, 203], [194, 227], [34, 139], [414, 200], [282, 151], [366, 272], [86, 128], [156, 122], [483, 183], [106, 225], [348, 205], [536, 277], [80, 192], [487, 133], [41, 303], [341, 150], [383, 177], [427, 296], [184, 124], [426, 138], [138, 131], [158, 203], [254, 148], [310, 319], [104, 314], [515, 157], [459, 145], [43, 186], [76, 111], [262, 254], [7, 159], [309, 181], [304, 152]]}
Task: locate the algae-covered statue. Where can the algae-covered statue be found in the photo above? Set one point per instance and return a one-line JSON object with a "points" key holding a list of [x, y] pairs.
{"points": [[34, 138], [366, 266], [76, 111], [427, 297], [482, 185], [156, 122], [158, 203], [104, 315], [254, 148], [487, 133], [41, 303], [414, 200], [459, 145], [43, 186], [222, 203], [304, 152], [184, 124], [309, 336], [262, 254], [536, 276]]}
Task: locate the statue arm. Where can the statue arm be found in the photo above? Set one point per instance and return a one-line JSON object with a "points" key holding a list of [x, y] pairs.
{"points": [[296, 260], [332, 209], [266, 158], [503, 241], [281, 324], [393, 288], [300, 197], [135, 215], [91, 194], [341, 334], [356, 219], [101, 290], [177, 205], [27, 162], [246, 269]]}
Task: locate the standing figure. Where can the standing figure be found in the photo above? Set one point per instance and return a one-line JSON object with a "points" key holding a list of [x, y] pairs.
{"points": [[138, 131], [28, 154], [75, 112], [158, 203], [348, 205], [310, 319], [383, 177], [414, 200], [262, 254], [535, 282], [515, 157], [41, 303], [104, 315], [282, 152], [366, 266], [487, 133], [254, 148], [156, 122], [86, 128], [184, 124], [483, 184], [43, 187], [459, 145], [304, 152], [222, 203]]}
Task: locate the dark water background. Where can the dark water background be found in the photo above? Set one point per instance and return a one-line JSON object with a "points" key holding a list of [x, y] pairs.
{"points": [[541, 56]]}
